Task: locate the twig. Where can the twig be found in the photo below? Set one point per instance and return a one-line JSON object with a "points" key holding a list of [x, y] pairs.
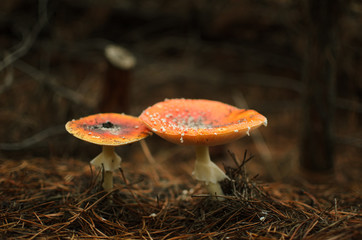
{"points": [[38, 137], [130, 191], [151, 160], [52, 83], [8, 80], [29, 40], [335, 209], [147, 152], [353, 141], [334, 224], [351, 105], [259, 141]]}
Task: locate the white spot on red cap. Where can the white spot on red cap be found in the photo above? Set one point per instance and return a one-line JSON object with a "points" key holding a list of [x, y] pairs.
{"points": [[248, 132]]}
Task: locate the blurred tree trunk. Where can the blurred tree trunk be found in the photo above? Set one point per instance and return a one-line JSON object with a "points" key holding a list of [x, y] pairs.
{"points": [[319, 80]]}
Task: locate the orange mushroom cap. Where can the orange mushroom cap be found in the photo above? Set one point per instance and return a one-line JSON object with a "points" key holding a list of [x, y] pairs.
{"points": [[200, 122], [109, 129]]}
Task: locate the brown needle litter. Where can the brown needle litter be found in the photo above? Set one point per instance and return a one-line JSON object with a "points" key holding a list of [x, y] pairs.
{"points": [[37, 201]]}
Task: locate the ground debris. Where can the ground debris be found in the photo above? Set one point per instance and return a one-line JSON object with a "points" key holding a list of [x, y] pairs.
{"points": [[42, 199]]}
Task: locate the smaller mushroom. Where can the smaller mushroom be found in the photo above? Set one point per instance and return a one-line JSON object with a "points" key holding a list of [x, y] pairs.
{"points": [[201, 123], [108, 130]]}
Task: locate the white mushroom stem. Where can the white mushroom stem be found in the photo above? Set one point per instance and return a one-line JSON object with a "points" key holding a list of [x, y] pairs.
{"points": [[108, 181], [109, 160], [207, 171]]}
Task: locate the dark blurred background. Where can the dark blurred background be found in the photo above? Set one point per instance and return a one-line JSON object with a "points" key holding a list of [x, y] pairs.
{"points": [[299, 63]]}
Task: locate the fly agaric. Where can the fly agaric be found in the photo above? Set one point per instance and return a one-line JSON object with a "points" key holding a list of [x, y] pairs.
{"points": [[201, 123], [108, 130]]}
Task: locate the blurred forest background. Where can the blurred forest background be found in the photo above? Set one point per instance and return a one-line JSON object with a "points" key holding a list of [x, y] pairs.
{"points": [[274, 56]]}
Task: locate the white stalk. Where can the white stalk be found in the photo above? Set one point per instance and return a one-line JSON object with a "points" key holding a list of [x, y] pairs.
{"points": [[110, 161], [207, 171], [108, 181]]}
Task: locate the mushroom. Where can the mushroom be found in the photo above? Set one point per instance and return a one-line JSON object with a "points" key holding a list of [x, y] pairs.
{"points": [[201, 123], [108, 130]]}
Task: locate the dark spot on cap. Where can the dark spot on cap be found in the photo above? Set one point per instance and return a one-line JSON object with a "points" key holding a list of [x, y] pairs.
{"points": [[108, 124]]}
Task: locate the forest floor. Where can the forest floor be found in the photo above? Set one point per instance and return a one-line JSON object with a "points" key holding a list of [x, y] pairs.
{"points": [[62, 198]]}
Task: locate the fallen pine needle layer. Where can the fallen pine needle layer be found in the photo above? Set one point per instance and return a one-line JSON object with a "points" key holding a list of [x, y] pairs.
{"points": [[44, 199]]}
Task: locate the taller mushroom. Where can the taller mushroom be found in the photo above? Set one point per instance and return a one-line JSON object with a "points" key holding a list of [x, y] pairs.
{"points": [[108, 130], [201, 123]]}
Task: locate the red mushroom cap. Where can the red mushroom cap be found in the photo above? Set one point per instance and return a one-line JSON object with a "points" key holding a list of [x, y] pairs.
{"points": [[109, 129], [200, 122]]}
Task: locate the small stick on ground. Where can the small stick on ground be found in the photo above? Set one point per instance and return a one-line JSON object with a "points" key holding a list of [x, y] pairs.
{"points": [[259, 141]]}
